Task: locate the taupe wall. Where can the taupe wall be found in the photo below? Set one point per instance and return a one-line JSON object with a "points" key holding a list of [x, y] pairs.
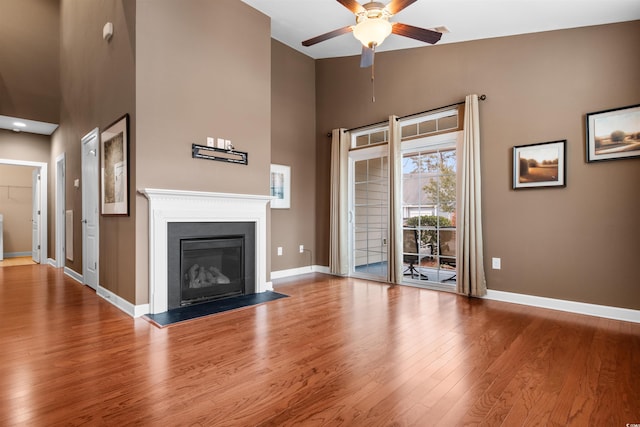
{"points": [[32, 148], [199, 73], [15, 206], [97, 87], [580, 243], [29, 75], [293, 144]]}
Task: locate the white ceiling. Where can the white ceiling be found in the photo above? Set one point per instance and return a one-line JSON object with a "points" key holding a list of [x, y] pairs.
{"points": [[293, 21], [31, 126]]}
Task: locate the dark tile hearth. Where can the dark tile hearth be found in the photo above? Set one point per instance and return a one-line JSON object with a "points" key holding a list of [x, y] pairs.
{"points": [[199, 310]]}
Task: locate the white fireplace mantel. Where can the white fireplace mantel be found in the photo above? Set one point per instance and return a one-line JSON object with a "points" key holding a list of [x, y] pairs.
{"points": [[167, 206]]}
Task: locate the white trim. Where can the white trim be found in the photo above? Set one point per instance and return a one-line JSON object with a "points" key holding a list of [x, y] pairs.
{"points": [[124, 305], [44, 174], [290, 272], [52, 262], [300, 270], [608, 312], [74, 275], [167, 206], [321, 269]]}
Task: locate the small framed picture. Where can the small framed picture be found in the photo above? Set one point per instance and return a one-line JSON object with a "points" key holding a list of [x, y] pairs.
{"points": [[280, 187], [613, 134], [114, 161], [540, 165]]}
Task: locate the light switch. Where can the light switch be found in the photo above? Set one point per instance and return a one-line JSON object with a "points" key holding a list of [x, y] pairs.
{"points": [[279, 250], [496, 263]]}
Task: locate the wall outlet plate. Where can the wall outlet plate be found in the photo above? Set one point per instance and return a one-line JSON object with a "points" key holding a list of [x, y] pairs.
{"points": [[496, 263]]}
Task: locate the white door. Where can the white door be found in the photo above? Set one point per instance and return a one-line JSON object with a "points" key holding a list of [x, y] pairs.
{"points": [[35, 215], [90, 242]]}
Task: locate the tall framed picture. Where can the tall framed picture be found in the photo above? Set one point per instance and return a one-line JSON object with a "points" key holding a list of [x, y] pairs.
{"points": [[280, 185], [114, 161], [540, 165], [613, 134]]}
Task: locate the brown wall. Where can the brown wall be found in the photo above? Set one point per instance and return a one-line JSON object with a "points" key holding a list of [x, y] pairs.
{"points": [[97, 87], [29, 75], [15, 206], [579, 243], [200, 73], [32, 148], [293, 144]]}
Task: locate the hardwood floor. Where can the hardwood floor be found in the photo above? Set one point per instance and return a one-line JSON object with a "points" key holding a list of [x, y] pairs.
{"points": [[337, 352], [21, 260]]}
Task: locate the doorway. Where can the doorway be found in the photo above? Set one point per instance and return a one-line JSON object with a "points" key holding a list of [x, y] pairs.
{"points": [[40, 236], [369, 212], [90, 232]]}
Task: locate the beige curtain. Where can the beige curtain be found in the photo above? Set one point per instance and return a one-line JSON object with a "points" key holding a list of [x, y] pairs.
{"points": [[339, 233], [470, 260], [394, 247]]}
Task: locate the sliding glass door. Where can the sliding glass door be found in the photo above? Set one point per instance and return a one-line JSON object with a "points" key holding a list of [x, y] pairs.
{"points": [[429, 168]]}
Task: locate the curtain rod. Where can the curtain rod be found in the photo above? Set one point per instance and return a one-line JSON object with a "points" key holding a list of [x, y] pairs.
{"points": [[481, 98]]}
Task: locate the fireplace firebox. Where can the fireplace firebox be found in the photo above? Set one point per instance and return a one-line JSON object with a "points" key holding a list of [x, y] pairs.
{"points": [[209, 261]]}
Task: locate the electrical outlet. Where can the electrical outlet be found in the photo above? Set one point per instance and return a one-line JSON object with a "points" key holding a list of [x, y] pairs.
{"points": [[496, 263], [301, 248], [279, 250]]}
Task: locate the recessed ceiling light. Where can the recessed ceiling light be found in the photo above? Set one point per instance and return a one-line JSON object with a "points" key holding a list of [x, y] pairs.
{"points": [[20, 124]]}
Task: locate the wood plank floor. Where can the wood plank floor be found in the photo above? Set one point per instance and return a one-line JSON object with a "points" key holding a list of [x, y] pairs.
{"points": [[21, 260], [338, 352]]}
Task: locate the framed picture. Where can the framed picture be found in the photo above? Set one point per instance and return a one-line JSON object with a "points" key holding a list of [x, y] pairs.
{"points": [[280, 187], [540, 165], [613, 134], [114, 161]]}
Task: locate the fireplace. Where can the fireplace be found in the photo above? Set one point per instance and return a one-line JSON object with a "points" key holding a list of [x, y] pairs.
{"points": [[179, 206], [209, 261]]}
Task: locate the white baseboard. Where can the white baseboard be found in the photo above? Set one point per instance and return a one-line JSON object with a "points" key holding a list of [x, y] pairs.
{"points": [[75, 276], [16, 254], [608, 312], [297, 271], [52, 262], [268, 286], [321, 269], [124, 305]]}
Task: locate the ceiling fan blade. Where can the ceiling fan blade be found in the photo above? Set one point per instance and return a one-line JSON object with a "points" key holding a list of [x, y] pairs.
{"points": [[396, 6], [353, 5], [327, 36], [422, 34], [366, 59]]}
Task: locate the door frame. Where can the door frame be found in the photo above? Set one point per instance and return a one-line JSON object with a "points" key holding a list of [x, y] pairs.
{"points": [[60, 210], [372, 152], [96, 184], [43, 201]]}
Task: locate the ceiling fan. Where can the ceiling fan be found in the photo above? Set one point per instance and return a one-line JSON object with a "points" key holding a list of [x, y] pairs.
{"points": [[373, 26]]}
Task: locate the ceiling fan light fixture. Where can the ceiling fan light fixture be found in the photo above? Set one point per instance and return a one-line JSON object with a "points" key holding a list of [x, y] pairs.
{"points": [[372, 32]]}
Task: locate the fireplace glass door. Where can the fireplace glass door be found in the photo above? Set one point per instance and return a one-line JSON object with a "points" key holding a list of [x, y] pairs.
{"points": [[211, 268]]}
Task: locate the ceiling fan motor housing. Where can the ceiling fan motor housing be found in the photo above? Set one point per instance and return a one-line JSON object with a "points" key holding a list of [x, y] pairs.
{"points": [[373, 10]]}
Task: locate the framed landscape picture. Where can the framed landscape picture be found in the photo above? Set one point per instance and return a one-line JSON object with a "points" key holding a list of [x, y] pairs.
{"points": [[613, 134], [280, 186], [540, 165], [114, 161]]}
